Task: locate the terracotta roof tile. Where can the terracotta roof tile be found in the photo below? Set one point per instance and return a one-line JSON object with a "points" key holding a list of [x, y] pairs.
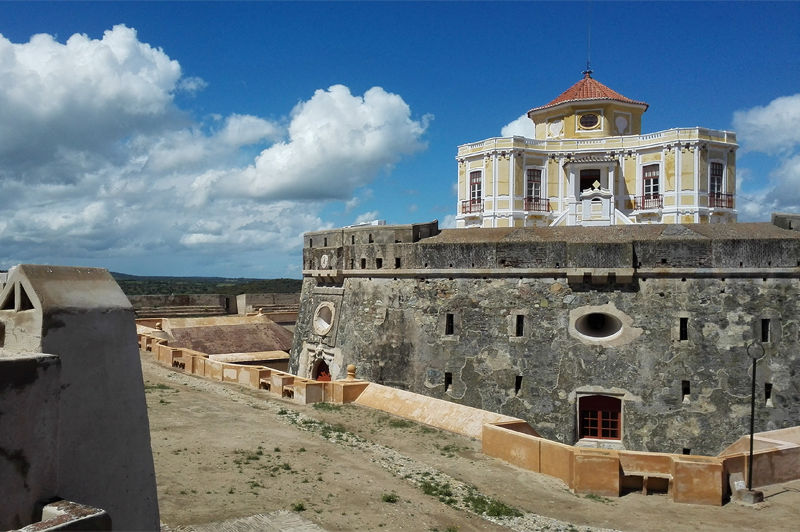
{"points": [[588, 89]]}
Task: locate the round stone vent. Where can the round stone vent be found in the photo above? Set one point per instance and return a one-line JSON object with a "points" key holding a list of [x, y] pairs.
{"points": [[323, 318], [604, 325], [598, 325]]}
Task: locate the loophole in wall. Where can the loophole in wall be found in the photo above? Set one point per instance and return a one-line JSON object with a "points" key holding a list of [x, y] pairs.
{"points": [[598, 325]]}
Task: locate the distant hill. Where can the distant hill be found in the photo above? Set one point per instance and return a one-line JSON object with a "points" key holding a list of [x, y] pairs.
{"points": [[137, 285]]}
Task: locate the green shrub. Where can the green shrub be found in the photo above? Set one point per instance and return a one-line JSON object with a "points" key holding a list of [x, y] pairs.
{"points": [[389, 497]]}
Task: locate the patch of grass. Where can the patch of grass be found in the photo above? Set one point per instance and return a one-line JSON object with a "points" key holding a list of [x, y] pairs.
{"points": [[498, 509], [277, 449], [443, 491], [491, 507], [597, 498], [327, 430], [400, 424], [232, 490], [389, 497], [286, 466], [283, 412], [255, 484], [148, 387], [298, 507], [301, 450], [327, 407], [163, 402]]}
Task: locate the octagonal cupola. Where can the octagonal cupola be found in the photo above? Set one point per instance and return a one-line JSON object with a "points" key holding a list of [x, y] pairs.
{"points": [[588, 109]]}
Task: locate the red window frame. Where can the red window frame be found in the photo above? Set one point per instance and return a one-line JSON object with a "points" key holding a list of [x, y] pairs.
{"points": [[650, 181], [600, 417], [475, 193]]}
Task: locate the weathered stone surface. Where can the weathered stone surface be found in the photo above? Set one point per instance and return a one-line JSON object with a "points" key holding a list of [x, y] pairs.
{"points": [[393, 326]]}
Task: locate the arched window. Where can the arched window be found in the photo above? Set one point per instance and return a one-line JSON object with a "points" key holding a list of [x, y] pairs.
{"points": [[321, 371], [600, 417]]}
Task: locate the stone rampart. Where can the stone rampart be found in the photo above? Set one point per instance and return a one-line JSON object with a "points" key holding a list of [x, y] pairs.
{"points": [[531, 322]]}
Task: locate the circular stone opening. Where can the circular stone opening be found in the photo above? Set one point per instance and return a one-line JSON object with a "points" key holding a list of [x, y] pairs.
{"points": [[323, 318], [598, 325]]}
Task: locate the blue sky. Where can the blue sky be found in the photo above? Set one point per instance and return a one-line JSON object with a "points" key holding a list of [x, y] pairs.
{"points": [[203, 138]]}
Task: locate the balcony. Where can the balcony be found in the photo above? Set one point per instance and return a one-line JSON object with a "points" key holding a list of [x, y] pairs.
{"points": [[649, 202], [720, 201], [471, 206], [537, 204]]}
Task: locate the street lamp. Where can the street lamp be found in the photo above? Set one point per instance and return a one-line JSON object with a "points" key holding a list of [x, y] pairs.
{"points": [[756, 351]]}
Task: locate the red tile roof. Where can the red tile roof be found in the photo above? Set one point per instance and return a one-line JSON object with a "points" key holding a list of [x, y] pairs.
{"points": [[588, 89]]}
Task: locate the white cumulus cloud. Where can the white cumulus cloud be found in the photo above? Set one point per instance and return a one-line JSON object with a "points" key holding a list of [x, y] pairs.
{"points": [[98, 164], [521, 127], [367, 217], [68, 105], [772, 129], [337, 143]]}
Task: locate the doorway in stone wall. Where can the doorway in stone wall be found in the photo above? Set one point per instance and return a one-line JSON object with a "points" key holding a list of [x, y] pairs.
{"points": [[321, 371], [588, 177]]}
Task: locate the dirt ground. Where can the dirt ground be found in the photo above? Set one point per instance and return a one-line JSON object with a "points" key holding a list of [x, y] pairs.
{"points": [[223, 451]]}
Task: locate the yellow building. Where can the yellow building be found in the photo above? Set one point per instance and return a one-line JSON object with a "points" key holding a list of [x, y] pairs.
{"points": [[590, 164]]}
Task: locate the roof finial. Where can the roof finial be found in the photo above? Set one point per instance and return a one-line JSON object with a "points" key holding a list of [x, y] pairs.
{"points": [[588, 72]]}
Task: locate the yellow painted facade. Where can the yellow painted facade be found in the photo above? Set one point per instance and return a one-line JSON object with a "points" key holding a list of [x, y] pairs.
{"points": [[588, 136]]}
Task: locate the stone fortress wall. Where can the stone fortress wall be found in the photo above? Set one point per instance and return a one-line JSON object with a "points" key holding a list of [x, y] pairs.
{"points": [[528, 322]]}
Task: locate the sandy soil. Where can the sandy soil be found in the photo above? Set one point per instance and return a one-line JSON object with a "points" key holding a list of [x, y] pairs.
{"points": [[223, 451]]}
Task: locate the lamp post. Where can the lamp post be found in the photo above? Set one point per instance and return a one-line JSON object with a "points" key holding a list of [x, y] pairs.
{"points": [[755, 351]]}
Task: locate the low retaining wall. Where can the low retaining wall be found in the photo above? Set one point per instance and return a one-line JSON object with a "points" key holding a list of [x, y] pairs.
{"points": [[686, 479], [445, 415], [274, 380], [776, 456], [251, 302]]}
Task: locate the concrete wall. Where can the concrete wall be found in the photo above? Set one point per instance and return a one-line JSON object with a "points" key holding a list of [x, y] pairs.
{"points": [[776, 456], [29, 409], [104, 456], [246, 302], [436, 413], [606, 472]]}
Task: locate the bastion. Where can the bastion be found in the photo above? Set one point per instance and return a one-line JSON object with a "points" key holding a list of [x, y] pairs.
{"points": [[625, 337]]}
